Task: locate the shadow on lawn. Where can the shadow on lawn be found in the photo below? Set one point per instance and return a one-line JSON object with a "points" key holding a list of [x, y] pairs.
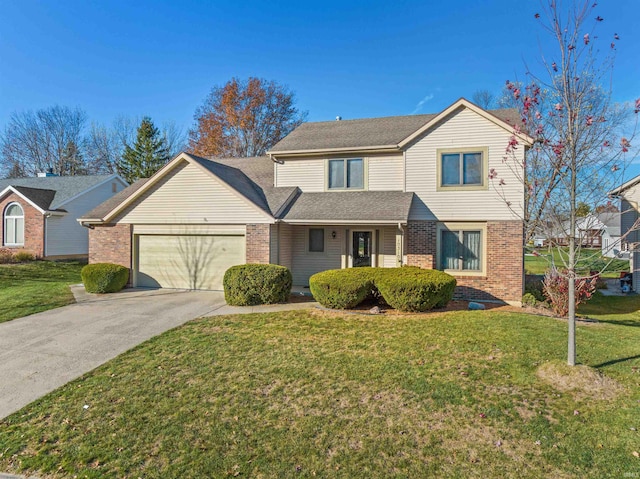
{"points": [[616, 361]]}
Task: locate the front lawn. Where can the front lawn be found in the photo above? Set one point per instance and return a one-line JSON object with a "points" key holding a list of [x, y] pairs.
{"points": [[589, 260], [321, 394], [37, 286]]}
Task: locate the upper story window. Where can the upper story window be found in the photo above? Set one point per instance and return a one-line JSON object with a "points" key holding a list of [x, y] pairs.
{"points": [[464, 168], [346, 174], [14, 225]]}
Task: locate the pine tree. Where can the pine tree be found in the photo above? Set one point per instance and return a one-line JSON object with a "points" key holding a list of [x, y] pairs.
{"points": [[148, 154]]}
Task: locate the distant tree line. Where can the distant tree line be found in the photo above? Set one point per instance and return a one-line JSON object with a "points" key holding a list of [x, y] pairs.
{"points": [[239, 119]]}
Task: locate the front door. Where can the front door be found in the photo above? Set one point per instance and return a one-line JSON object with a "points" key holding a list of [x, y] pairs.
{"points": [[362, 248]]}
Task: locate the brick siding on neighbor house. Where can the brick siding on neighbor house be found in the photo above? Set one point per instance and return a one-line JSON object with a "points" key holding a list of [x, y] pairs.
{"points": [[258, 243], [33, 226], [111, 244], [505, 264]]}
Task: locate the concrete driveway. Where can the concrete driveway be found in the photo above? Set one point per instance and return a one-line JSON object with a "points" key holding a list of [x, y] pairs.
{"points": [[40, 353]]}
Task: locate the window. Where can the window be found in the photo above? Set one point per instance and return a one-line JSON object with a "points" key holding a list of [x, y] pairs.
{"points": [[316, 240], [346, 174], [462, 168], [461, 250], [14, 225]]}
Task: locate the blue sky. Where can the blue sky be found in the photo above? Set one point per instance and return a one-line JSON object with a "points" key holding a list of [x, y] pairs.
{"points": [[354, 59]]}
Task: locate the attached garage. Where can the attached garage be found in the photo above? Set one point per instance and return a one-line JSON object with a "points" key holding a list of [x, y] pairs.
{"points": [[186, 262]]}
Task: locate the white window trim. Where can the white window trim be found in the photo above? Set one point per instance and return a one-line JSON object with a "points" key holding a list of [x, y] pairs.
{"points": [[452, 226], [365, 174], [484, 152], [15, 229]]}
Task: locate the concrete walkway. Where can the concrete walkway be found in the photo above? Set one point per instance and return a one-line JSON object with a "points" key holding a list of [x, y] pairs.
{"points": [[44, 351]]}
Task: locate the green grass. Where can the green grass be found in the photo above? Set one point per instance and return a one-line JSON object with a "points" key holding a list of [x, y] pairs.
{"points": [[589, 260], [316, 394], [37, 286]]}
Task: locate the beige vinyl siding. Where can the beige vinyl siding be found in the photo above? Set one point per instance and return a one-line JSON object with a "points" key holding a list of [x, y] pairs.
{"points": [[386, 173], [188, 194], [64, 235], [464, 129], [285, 245], [306, 174], [388, 247], [305, 264]]}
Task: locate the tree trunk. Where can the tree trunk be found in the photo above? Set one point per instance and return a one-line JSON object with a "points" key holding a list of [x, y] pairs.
{"points": [[571, 319]]}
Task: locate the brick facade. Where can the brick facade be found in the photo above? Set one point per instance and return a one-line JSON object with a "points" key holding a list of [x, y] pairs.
{"points": [[33, 226], [258, 243], [111, 244], [504, 279]]}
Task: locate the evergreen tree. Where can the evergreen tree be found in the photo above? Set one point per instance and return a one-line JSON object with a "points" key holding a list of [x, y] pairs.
{"points": [[148, 154]]}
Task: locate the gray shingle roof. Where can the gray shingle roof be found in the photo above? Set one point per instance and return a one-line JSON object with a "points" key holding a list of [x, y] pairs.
{"points": [[41, 198], [366, 132], [351, 206], [102, 209], [253, 177], [65, 187]]}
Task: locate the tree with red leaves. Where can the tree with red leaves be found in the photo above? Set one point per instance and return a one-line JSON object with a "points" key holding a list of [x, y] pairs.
{"points": [[580, 149]]}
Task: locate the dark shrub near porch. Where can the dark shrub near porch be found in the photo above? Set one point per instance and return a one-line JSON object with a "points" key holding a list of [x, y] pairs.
{"points": [[104, 277], [251, 284], [405, 289]]}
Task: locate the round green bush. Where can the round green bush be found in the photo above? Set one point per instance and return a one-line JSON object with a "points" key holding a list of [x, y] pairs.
{"points": [[342, 288], [529, 299], [415, 290], [104, 277], [251, 284], [405, 289]]}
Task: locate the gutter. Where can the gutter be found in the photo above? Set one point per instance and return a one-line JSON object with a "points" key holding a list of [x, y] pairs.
{"points": [[350, 149]]}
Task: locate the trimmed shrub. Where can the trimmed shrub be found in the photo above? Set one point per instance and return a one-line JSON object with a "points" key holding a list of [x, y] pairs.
{"points": [[405, 289], [415, 290], [251, 284], [23, 256], [529, 299], [104, 277], [342, 288]]}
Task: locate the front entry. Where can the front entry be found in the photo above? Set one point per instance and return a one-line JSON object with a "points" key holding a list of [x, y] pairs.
{"points": [[362, 248]]}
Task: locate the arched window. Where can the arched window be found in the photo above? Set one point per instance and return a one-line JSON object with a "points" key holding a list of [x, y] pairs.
{"points": [[14, 225]]}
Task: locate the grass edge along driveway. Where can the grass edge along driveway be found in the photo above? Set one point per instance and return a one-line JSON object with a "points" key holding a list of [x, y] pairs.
{"points": [[322, 394], [36, 286]]}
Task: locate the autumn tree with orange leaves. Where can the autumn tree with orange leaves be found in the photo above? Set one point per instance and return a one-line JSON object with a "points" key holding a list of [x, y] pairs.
{"points": [[244, 118]]}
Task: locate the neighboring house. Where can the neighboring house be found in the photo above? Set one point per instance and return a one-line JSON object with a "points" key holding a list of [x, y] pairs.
{"points": [[40, 214], [629, 194], [588, 232], [614, 244], [384, 192]]}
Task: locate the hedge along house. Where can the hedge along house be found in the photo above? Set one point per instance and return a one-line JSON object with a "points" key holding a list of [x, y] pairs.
{"points": [[40, 214], [382, 192]]}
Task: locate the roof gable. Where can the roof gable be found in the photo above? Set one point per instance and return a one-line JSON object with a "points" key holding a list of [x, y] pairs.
{"points": [[64, 188], [394, 132]]}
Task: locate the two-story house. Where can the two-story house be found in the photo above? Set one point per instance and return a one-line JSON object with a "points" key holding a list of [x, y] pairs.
{"points": [[382, 192]]}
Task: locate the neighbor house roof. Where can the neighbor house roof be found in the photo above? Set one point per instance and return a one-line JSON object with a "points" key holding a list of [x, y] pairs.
{"points": [[100, 211], [54, 190], [368, 133], [620, 189], [351, 206], [612, 222]]}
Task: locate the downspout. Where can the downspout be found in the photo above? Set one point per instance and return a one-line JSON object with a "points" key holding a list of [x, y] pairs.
{"points": [[400, 259]]}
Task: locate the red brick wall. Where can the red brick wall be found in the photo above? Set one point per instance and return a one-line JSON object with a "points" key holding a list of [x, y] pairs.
{"points": [[504, 279], [33, 225], [111, 244], [421, 244], [258, 243]]}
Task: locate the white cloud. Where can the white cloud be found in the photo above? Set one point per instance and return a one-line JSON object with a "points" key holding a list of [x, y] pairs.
{"points": [[422, 102]]}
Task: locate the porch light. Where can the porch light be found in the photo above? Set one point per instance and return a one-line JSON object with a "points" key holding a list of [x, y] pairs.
{"points": [[333, 234]]}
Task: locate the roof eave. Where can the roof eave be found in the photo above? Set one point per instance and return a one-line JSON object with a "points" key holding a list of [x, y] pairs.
{"points": [[345, 222], [319, 151]]}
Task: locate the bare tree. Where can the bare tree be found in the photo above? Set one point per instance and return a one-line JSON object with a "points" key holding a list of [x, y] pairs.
{"points": [[38, 141], [244, 118], [580, 151], [484, 99]]}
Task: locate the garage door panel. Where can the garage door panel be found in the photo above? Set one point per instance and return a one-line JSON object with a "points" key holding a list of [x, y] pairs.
{"points": [[187, 261]]}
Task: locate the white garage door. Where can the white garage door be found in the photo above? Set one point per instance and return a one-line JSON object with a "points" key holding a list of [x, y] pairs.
{"points": [[187, 261]]}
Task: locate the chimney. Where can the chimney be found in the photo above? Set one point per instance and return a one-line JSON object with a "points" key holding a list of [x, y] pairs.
{"points": [[338, 118], [47, 174]]}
